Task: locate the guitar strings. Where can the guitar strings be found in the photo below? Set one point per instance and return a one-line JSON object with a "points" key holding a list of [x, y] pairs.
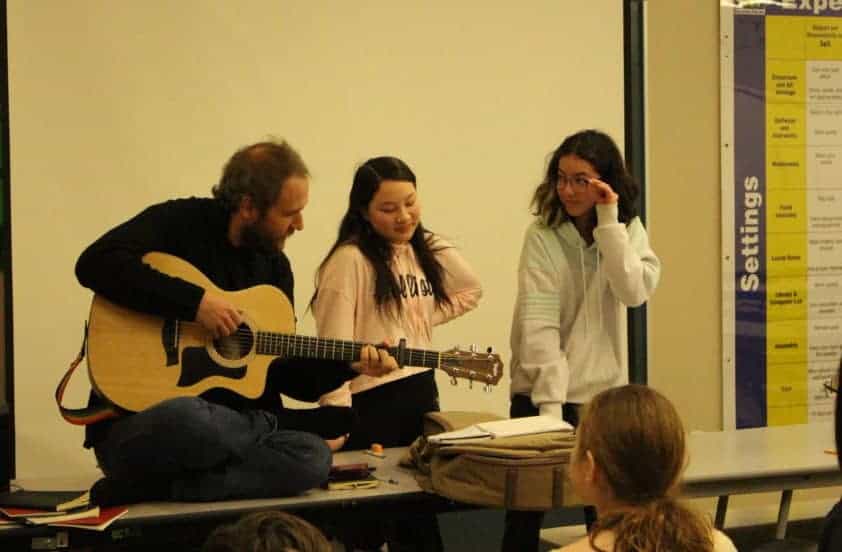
{"points": [[243, 339]]}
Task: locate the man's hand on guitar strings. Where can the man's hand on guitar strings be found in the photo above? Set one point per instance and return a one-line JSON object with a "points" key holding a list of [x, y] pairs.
{"points": [[217, 315], [375, 361]]}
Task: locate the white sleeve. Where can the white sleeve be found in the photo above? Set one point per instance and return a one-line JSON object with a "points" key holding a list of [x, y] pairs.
{"points": [[460, 283], [630, 265], [538, 316]]}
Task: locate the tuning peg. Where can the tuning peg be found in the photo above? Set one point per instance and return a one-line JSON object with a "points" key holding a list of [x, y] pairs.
{"points": [[470, 384], [473, 348], [453, 380], [487, 388]]}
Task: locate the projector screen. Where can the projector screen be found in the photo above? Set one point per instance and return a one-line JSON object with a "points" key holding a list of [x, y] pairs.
{"points": [[117, 105]]}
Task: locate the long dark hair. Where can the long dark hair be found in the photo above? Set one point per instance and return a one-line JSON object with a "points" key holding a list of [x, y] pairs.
{"points": [[598, 149], [637, 440], [357, 230]]}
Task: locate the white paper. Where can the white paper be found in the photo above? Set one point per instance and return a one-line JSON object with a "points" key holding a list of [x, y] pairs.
{"points": [[504, 428]]}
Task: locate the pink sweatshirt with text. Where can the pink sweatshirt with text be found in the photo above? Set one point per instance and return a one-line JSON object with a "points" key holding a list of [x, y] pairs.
{"points": [[345, 307]]}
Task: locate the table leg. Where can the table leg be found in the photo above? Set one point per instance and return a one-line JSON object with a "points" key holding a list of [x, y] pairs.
{"points": [[721, 509], [783, 514]]}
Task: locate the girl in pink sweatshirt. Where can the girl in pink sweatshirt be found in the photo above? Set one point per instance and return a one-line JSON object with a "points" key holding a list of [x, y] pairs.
{"points": [[384, 279]]}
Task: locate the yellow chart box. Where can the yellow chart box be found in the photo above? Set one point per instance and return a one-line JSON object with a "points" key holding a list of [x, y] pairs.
{"points": [[787, 299], [785, 414], [786, 211], [785, 81], [785, 168], [785, 37], [785, 125], [822, 38], [786, 255], [786, 342], [786, 394]]}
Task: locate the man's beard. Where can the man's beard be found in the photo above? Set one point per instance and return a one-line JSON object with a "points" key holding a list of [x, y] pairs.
{"points": [[254, 237]]}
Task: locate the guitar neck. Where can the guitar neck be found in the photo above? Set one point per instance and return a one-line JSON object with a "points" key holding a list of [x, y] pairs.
{"points": [[290, 345]]}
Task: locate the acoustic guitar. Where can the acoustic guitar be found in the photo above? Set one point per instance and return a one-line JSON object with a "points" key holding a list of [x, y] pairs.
{"points": [[136, 360]]}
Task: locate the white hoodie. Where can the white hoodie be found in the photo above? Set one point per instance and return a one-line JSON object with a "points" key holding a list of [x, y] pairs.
{"points": [[570, 318]]}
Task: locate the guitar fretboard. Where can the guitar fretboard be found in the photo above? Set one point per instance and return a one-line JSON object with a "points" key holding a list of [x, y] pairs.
{"points": [[289, 345]]}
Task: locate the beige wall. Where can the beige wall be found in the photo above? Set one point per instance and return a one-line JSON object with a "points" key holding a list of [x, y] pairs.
{"points": [[115, 105], [685, 343]]}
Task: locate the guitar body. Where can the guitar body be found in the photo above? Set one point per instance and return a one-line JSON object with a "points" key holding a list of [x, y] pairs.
{"points": [[136, 360]]}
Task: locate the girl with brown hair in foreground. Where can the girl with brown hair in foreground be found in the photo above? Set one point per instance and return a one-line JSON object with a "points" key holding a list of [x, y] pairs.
{"points": [[630, 453]]}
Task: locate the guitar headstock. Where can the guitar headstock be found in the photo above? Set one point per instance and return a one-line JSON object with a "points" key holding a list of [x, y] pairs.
{"points": [[483, 367]]}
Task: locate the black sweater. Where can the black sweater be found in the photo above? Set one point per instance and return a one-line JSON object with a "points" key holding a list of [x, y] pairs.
{"points": [[196, 229]]}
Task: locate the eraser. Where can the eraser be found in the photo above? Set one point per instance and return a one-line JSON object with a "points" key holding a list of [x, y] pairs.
{"points": [[376, 450]]}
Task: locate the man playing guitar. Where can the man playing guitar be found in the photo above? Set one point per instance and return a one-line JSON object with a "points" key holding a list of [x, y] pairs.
{"points": [[218, 445]]}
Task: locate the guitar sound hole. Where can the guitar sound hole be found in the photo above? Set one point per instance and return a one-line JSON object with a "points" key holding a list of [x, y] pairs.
{"points": [[235, 346]]}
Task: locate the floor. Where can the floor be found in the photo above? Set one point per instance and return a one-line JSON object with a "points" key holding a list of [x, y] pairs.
{"points": [[802, 535]]}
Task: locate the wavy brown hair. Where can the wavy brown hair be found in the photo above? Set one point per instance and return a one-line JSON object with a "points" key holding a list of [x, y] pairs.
{"points": [[638, 444], [258, 171], [267, 532], [598, 149]]}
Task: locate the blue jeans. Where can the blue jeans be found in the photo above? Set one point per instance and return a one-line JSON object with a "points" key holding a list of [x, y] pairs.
{"points": [[204, 451]]}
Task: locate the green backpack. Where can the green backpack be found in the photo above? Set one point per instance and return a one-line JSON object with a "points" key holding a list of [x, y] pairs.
{"points": [[527, 472]]}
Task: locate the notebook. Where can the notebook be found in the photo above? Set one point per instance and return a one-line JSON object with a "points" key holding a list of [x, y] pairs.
{"points": [[37, 517], [106, 517], [503, 428]]}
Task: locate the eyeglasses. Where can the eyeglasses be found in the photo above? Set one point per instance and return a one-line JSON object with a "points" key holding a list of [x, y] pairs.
{"points": [[578, 182], [832, 385]]}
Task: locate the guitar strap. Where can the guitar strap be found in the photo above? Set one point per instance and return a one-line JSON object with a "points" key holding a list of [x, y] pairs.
{"points": [[89, 414]]}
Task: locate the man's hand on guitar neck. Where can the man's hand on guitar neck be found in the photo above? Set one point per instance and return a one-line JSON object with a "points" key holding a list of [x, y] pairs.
{"points": [[217, 315], [375, 361]]}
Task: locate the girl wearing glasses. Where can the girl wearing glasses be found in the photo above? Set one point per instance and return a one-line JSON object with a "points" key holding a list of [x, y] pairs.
{"points": [[585, 259]]}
